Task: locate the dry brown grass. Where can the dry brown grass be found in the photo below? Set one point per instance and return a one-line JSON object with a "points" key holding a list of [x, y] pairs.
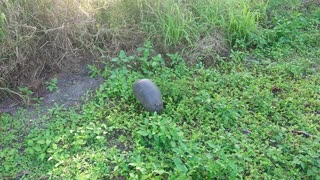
{"points": [[208, 48], [43, 37]]}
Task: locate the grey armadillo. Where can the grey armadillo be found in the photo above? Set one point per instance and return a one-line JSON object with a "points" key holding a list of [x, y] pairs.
{"points": [[148, 94]]}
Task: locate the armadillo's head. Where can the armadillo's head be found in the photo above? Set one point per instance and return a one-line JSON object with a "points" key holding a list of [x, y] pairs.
{"points": [[158, 107]]}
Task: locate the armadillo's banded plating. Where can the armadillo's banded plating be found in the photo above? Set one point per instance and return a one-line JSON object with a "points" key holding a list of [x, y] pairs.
{"points": [[148, 94]]}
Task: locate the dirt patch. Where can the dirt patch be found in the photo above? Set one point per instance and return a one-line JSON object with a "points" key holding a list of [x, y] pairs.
{"points": [[71, 88]]}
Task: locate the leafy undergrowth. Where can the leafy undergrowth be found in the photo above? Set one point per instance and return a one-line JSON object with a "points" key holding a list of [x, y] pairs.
{"points": [[243, 118]]}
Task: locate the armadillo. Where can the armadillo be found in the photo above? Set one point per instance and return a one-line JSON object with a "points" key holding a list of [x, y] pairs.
{"points": [[148, 94]]}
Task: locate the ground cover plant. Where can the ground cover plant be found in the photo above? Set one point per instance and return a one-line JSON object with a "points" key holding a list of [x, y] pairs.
{"points": [[251, 113], [227, 122]]}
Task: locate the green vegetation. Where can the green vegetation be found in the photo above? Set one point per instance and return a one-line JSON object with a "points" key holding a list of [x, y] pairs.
{"points": [[250, 113], [52, 84]]}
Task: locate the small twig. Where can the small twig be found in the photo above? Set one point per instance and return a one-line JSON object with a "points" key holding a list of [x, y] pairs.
{"points": [[44, 45], [13, 92], [54, 29], [10, 91]]}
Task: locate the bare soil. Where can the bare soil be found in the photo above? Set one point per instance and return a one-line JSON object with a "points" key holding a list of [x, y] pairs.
{"points": [[71, 88]]}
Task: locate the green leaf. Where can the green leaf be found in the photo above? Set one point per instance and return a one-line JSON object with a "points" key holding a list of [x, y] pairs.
{"points": [[99, 137], [41, 141], [48, 141], [212, 145], [30, 142], [42, 156], [30, 151], [37, 148], [54, 146], [115, 59], [179, 164], [154, 64], [143, 132], [122, 54]]}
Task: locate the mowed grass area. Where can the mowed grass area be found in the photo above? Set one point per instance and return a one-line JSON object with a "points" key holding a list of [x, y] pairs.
{"points": [[251, 114]]}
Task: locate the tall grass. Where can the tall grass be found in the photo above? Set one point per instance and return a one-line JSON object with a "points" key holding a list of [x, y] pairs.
{"points": [[2, 24], [186, 21], [172, 22], [38, 37]]}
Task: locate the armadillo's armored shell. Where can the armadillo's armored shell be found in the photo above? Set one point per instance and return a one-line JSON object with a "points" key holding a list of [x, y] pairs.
{"points": [[148, 94]]}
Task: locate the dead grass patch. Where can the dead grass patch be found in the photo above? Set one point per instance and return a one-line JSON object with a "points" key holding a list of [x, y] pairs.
{"points": [[208, 48], [44, 37]]}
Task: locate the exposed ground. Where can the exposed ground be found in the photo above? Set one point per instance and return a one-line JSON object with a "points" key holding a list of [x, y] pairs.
{"points": [[70, 89]]}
